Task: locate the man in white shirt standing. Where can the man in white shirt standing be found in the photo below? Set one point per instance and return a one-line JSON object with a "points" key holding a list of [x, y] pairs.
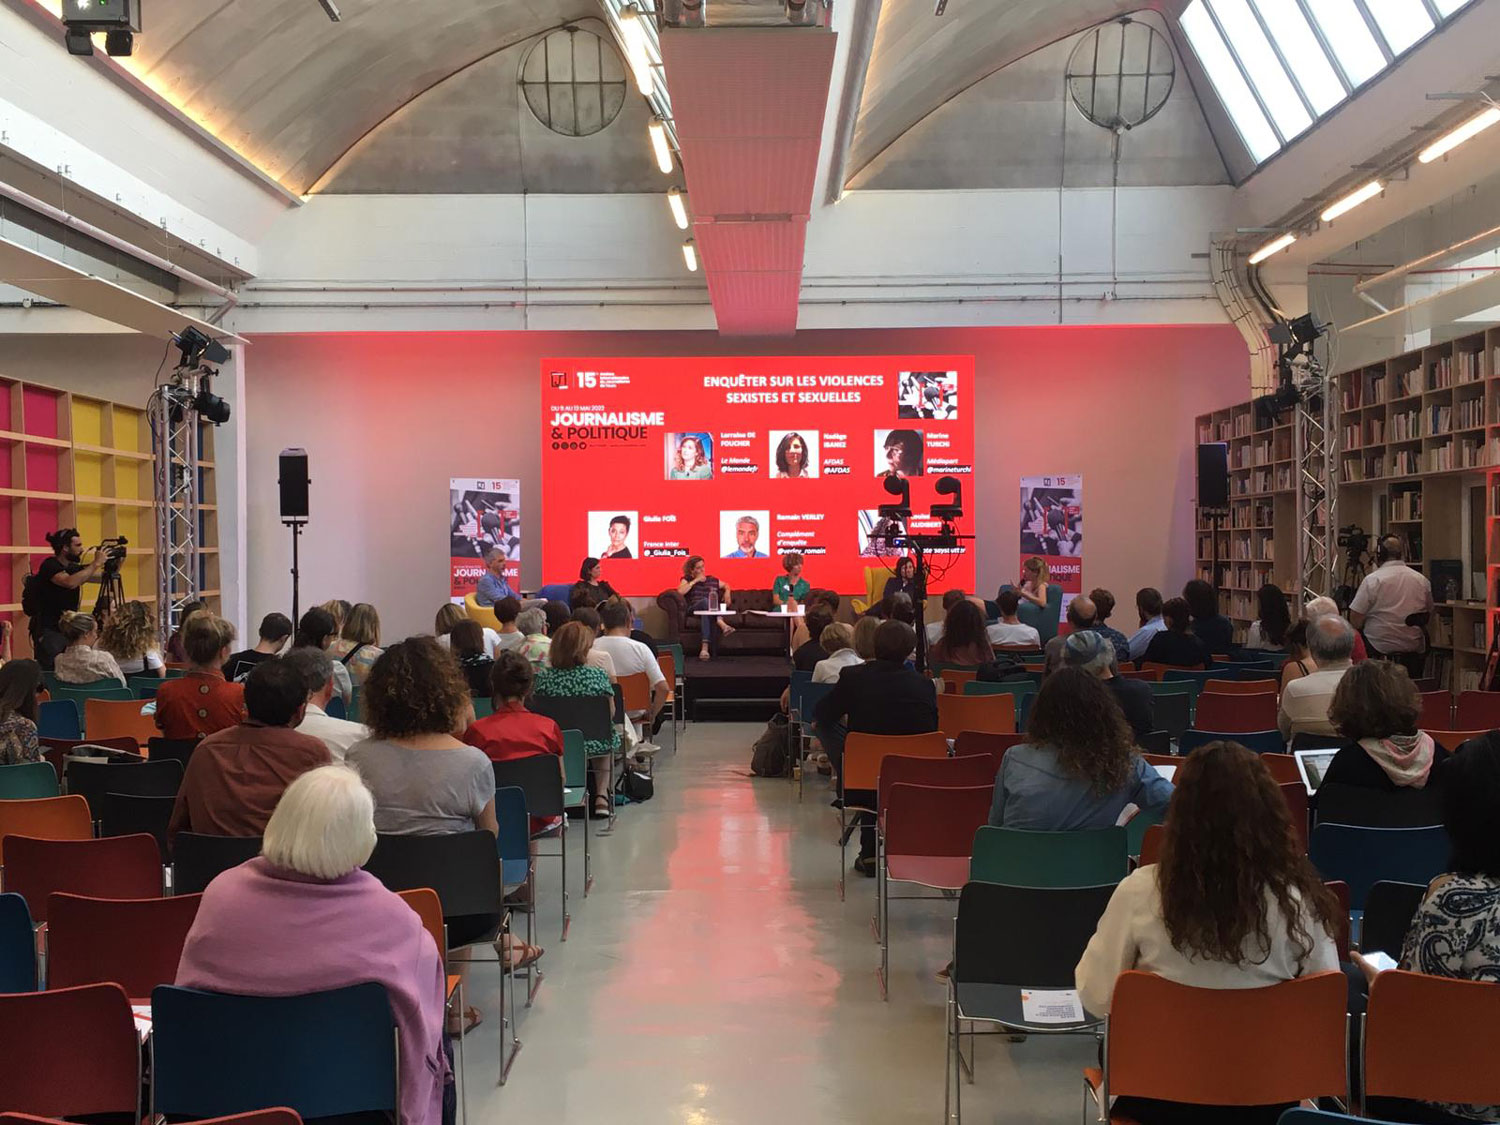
{"points": [[1009, 630], [316, 668], [631, 656], [1305, 700], [1390, 596]]}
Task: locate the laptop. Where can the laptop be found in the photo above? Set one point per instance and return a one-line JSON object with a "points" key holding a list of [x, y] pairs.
{"points": [[1313, 764]]}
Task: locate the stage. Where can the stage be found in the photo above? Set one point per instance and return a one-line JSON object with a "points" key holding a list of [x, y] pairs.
{"points": [[735, 687]]}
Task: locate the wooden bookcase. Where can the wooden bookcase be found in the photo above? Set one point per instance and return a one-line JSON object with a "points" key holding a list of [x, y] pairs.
{"points": [[73, 460]]}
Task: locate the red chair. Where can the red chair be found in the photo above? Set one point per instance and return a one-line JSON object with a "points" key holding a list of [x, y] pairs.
{"points": [[1151, 844], [1240, 687], [929, 835], [1340, 891], [1477, 710], [985, 742], [1437, 712], [937, 773], [1236, 714], [1451, 740], [144, 945], [70, 1051], [1294, 793], [863, 754], [1283, 768], [116, 867], [995, 714]]}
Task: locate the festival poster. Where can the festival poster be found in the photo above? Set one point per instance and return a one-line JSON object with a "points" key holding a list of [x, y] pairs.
{"points": [[743, 459], [484, 513], [1052, 527]]}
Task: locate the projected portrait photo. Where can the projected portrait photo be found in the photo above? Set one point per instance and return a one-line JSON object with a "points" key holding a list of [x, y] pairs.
{"points": [[927, 394], [898, 453], [877, 534], [690, 456], [613, 535], [794, 454], [742, 533]]}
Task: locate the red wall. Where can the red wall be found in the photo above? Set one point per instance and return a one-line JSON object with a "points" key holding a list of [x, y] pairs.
{"points": [[387, 419]]}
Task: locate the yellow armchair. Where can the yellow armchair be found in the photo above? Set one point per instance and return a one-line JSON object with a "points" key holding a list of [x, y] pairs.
{"points": [[482, 614], [875, 580]]}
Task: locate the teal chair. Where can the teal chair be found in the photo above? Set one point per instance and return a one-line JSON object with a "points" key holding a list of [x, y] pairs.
{"points": [[28, 781], [80, 694], [145, 687], [60, 718], [1017, 688], [354, 707], [1019, 858], [484, 707], [1135, 827], [576, 793], [1043, 620]]}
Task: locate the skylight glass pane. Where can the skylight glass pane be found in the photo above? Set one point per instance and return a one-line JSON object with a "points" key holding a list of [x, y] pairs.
{"points": [[1448, 7], [1228, 83], [1310, 66], [1261, 64], [1349, 36], [1402, 22]]}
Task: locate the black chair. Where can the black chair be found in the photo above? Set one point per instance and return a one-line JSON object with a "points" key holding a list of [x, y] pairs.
{"points": [[197, 858], [590, 714], [540, 778], [1256, 674], [1389, 910], [1172, 713], [125, 814], [1155, 742], [91, 780], [1376, 808], [1304, 741], [178, 749], [994, 959]]}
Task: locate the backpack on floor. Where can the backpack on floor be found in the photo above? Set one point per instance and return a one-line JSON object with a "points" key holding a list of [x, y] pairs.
{"points": [[635, 784], [772, 749]]}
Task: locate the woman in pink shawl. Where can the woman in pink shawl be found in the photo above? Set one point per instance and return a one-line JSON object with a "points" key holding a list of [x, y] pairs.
{"points": [[1376, 708], [302, 917]]}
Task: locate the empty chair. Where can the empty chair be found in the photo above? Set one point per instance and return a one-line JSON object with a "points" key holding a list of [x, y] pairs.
{"points": [[1389, 909], [1235, 712], [125, 814], [59, 718], [1239, 686], [984, 742], [1018, 858], [1453, 1063], [1172, 712], [197, 858], [1363, 857], [28, 781], [1261, 741], [122, 867], [992, 714], [1477, 710], [1192, 676], [1302, 740], [17, 945], [46, 818], [1437, 712], [863, 754], [111, 717], [1451, 740], [940, 773], [1282, 767], [1155, 742], [540, 778], [145, 941], [48, 1034], [1016, 688], [91, 780]]}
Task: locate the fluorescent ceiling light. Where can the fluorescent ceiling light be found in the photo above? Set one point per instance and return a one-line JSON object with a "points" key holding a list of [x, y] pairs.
{"points": [[1272, 247], [690, 255], [1352, 200], [679, 208], [1451, 140], [659, 146], [635, 47]]}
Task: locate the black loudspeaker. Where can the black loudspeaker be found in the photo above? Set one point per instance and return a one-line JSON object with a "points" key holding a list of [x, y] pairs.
{"points": [[1213, 475], [293, 481]]}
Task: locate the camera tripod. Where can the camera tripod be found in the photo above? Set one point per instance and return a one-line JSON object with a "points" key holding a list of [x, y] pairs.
{"points": [[111, 592]]}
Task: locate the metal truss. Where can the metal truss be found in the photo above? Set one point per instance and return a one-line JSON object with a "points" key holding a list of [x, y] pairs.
{"points": [[174, 443], [1316, 449]]}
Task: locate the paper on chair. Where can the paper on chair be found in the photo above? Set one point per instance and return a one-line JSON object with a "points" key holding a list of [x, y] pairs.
{"points": [[1167, 772], [142, 1014], [1051, 1005]]}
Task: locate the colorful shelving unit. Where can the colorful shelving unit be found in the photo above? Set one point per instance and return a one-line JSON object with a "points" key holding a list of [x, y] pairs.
{"points": [[72, 460]]}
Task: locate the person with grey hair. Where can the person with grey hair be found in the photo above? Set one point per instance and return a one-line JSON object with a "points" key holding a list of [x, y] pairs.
{"points": [[1325, 606], [492, 583], [746, 532], [1082, 617], [1305, 701], [1392, 606], [316, 668], [1094, 653], [303, 917]]}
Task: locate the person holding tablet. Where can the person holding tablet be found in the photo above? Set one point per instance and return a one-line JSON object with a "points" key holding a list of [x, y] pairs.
{"points": [[790, 589]]}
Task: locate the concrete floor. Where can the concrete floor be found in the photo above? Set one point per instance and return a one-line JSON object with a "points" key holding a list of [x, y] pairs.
{"points": [[713, 977]]}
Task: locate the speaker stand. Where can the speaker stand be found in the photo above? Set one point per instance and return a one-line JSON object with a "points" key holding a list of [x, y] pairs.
{"points": [[296, 526]]}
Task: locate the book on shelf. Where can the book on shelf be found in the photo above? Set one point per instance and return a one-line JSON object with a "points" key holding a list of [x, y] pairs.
{"points": [[1476, 586], [1478, 628], [1440, 457], [1468, 679], [1439, 420], [1440, 631], [1470, 370], [1470, 413], [1440, 373], [1406, 425], [1407, 383]]}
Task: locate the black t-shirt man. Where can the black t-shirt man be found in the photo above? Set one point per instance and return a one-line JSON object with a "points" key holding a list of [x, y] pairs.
{"points": [[238, 666], [53, 600]]}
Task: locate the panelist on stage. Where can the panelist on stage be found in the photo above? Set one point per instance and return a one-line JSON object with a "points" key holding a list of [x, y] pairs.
{"points": [[493, 586], [904, 581], [791, 586], [704, 592], [589, 590]]}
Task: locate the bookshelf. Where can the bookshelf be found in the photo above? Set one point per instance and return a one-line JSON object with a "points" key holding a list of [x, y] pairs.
{"points": [[74, 460]]}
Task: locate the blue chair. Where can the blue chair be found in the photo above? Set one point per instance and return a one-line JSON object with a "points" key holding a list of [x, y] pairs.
{"points": [[335, 709], [555, 592], [60, 718], [1261, 741], [108, 689], [799, 684], [1017, 688], [1023, 710], [576, 794], [17, 946], [28, 781], [322, 1053], [1254, 672], [1362, 857], [517, 871], [1044, 619], [1189, 675]]}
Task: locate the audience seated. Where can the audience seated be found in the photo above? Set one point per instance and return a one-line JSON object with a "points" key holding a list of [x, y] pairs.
{"points": [[512, 731], [235, 776], [630, 656], [1104, 606], [837, 642], [318, 629], [532, 625], [807, 655], [864, 638], [934, 629], [466, 643], [1209, 625], [1231, 903], [964, 640], [316, 669], [1273, 619], [569, 674], [201, 701], [1095, 655], [275, 628], [1148, 610], [883, 696], [1305, 700], [1078, 767], [588, 617], [1375, 710], [130, 637], [358, 646], [450, 615], [507, 611], [176, 644], [20, 684], [1081, 611], [302, 917], [1009, 630], [81, 662], [1174, 645], [900, 607], [1326, 607], [1300, 661]]}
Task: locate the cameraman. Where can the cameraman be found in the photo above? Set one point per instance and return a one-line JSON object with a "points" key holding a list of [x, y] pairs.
{"points": [[1392, 606], [56, 585]]}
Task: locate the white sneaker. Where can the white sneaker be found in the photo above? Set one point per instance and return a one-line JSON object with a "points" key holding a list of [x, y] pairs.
{"points": [[646, 748]]}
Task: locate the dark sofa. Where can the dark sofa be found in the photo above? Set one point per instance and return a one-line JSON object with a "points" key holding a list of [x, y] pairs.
{"points": [[753, 635]]}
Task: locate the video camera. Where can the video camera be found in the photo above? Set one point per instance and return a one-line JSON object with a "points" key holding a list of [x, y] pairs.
{"points": [[114, 552], [1354, 539]]}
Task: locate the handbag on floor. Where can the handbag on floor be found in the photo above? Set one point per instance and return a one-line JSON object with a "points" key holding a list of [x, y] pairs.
{"points": [[772, 749], [635, 785]]}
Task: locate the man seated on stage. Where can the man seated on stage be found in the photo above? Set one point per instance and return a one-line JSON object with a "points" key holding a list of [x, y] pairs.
{"points": [[1010, 630], [316, 669], [235, 776], [883, 696], [630, 657], [492, 583]]}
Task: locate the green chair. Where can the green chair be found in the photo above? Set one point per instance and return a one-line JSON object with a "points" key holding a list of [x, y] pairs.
{"points": [[28, 781], [484, 706], [81, 693], [354, 707], [576, 793], [1135, 827], [1018, 858], [145, 687], [1017, 688]]}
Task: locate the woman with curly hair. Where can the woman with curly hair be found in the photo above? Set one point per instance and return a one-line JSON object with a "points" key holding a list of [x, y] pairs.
{"points": [[1376, 709], [689, 461], [131, 638], [1232, 903], [1078, 767], [964, 640]]}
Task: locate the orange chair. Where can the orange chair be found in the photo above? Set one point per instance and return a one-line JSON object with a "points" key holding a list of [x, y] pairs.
{"points": [[1151, 844], [955, 678], [118, 718], [1294, 1031], [115, 867], [1240, 687], [1235, 714], [991, 714], [1147, 674], [146, 936], [1283, 768], [1437, 711], [668, 665], [1294, 793], [1477, 709], [1451, 740], [863, 754], [1456, 1064], [1153, 666], [429, 908], [636, 692], [47, 818]]}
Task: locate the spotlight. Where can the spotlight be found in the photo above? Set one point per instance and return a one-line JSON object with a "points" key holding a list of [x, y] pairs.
{"points": [[116, 18], [659, 145], [211, 406], [949, 486], [683, 13], [897, 486], [1306, 329], [79, 42], [119, 44], [679, 208], [690, 255], [196, 347]]}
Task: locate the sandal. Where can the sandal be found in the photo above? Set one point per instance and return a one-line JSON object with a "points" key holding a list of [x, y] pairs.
{"points": [[461, 1023], [529, 954], [601, 809], [703, 653]]}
